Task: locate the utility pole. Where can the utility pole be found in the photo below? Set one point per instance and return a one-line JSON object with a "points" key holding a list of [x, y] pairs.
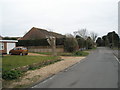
{"points": [[112, 40]]}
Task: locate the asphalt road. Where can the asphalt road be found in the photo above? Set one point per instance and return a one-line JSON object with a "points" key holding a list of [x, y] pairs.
{"points": [[98, 70]]}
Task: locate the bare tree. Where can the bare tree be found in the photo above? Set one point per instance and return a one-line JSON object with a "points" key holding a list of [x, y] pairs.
{"points": [[93, 35], [81, 32], [52, 41], [69, 35]]}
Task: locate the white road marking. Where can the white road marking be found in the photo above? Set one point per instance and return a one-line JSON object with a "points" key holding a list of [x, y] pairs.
{"points": [[44, 81], [40, 83], [117, 59], [54, 75]]}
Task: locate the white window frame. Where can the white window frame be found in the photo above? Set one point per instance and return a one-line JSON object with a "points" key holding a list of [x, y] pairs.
{"points": [[1, 46]]}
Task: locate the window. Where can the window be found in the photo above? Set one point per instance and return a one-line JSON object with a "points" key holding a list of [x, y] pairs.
{"points": [[24, 48], [19, 48], [15, 48], [1, 46]]}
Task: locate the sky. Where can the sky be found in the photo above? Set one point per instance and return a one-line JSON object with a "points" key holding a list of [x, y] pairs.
{"points": [[62, 16]]}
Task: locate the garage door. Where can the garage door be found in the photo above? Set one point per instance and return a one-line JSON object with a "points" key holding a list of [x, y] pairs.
{"points": [[10, 46]]}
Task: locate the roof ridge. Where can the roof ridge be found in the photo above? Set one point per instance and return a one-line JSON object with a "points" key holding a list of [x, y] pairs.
{"points": [[47, 30], [35, 33]]}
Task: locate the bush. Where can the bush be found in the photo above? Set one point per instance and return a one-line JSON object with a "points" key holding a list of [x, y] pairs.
{"points": [[71, 44], [32, 68], [40, 42], [12, 74], [89, 43], [66, 54], [80, 53], [81, 42]]}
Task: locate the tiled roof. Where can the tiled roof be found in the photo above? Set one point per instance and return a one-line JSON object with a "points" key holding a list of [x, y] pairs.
{"points": [[37, 33]]}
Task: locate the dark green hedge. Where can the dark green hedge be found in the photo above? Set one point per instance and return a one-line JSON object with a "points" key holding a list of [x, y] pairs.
{"points": [[11, 74], [41, 42]]}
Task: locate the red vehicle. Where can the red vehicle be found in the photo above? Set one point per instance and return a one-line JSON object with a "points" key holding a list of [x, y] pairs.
{"points": [[19, 51]]}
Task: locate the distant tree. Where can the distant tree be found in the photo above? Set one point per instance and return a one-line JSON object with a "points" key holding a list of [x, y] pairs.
{"points": [[82, 33], [84, 40], [113, 38], [99, 41], [93, 36], [105, 40]]}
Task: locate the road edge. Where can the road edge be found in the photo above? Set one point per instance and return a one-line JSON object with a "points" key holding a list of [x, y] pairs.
{"points": [[51, 76]]}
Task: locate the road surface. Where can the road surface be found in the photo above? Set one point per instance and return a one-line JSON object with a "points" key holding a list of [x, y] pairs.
{"points": [[98, 70]]}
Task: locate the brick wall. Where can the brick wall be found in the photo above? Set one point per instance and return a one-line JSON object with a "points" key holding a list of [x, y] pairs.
{"points": [[44, 49], [5, 49]]}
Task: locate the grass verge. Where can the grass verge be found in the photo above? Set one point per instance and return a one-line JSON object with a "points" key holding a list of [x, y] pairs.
{"points": [[14, 66], [12, 62]]}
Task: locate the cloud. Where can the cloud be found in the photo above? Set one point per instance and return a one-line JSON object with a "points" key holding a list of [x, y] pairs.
{"points": [[63, 16]]}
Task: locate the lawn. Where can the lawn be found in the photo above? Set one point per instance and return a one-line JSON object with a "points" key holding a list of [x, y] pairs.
{"points": [[11, 62]]}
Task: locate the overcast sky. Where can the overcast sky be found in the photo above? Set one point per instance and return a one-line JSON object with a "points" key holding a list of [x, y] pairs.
{"points": [[62, 16]]}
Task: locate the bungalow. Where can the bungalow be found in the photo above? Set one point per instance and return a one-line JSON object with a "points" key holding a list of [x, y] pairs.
{"points": [[7, 45], [37, 34]]}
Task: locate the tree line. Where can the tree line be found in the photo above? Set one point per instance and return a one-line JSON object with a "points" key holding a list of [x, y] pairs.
{"points": [[82, 39], [109, 40]]}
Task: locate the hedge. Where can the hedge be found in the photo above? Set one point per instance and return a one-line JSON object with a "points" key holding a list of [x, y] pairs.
{"points": [[40, 42], [11, 74]]}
